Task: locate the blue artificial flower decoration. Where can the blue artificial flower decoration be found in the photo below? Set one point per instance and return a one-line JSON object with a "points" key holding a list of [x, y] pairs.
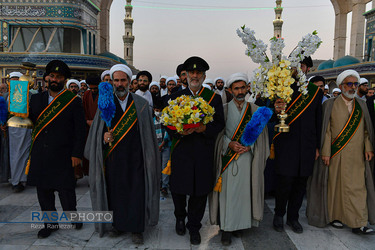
{"points": [[256, 125], [106, 103], [3, 111]]}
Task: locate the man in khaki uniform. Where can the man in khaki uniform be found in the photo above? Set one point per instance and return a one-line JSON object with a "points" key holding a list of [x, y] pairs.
{"points": [[346, 147]]}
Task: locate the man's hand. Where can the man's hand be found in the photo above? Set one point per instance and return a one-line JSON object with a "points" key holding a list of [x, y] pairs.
{"points": [[3, 127], [187, 131], [201, 128], [317, 154], [279, 106], [89, 122], [108, 136], [369, 155], [238, 147], [326, 160], [76, 161]]}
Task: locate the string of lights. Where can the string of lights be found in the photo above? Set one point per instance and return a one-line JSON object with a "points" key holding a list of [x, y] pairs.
{"points": [[190, 7]]}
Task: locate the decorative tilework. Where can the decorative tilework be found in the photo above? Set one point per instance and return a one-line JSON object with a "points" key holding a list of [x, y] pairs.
{"points": [[49, 11], [74, 60]]}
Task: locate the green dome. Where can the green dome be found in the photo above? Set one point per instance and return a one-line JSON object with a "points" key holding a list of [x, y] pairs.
{"points": [[346, 60], [114, 57], [326, 65]]}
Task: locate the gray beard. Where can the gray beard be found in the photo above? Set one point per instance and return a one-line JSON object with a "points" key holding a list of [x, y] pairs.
{"points": [[346, 93], [121, 93]]}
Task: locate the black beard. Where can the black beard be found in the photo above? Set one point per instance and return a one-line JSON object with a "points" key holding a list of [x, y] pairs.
{"points": [[55, 88], [363, 92], [143, 88], [219, 87]]}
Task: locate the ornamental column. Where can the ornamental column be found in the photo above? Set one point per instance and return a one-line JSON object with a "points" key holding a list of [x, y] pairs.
{"points": [[128, 38], [278, 22]]}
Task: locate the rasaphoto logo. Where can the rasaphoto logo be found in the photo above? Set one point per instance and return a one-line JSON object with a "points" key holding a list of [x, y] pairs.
{"points": [[71, 216]]}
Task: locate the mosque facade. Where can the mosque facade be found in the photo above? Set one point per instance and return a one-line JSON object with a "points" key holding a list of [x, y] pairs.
{"points": [[38, 31]]}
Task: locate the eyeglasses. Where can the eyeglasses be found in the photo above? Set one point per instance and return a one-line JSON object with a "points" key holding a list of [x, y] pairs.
{"points": [[350, 84]]}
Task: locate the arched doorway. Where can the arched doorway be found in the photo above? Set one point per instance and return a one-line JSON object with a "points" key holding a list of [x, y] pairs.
{"points": [[105, 6]]}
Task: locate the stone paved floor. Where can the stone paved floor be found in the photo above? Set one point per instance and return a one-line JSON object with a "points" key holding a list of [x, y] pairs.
{"points": [[17, 207]]}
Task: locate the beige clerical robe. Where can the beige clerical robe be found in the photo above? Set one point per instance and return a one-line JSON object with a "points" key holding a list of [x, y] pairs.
{"points": [[347, 193], [241, 200]]}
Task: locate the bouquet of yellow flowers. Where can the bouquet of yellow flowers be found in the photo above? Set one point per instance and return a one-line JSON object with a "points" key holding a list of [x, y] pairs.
{"points": [[186, 112]]}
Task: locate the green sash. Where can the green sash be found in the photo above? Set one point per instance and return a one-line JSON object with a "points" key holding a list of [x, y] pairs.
{"points": [[348, 131], [230, 154], [300, 104], [206, 94], [123, 126], [59, 103]]}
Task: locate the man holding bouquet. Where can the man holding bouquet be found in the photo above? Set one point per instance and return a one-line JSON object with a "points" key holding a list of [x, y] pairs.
{"points": [[192, 172]]}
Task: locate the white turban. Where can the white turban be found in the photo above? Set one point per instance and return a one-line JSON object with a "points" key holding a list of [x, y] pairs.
{"points": [[208, 80], [326, 86], [154, 84], [336, 90], [165, 77], [171, 79], [176, 76], [134, 77], [15, 74], [363, 81], [73, 81], [206, 86], [83, 81], [105, 72], [345, 74], [121, 67], [219, 78], [235, 78]]}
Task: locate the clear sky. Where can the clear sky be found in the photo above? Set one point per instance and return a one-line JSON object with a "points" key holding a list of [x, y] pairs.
{"points": [[167, 32]]}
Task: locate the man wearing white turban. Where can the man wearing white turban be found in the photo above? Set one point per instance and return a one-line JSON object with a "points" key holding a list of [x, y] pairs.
{"points": [[73, 85], [336, 92], [239, 204], [154, 88], [163, 86], [344, 190], [106, 77], [209, 82], [128, 185], [226, 96], [362, 89]]}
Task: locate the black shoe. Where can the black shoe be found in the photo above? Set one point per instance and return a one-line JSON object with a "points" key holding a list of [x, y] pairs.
{"points": [[78, 225], [295, 225], [278, 223], [47, 230], [137, 238], [195, 238], [363, 230], [115, 233], [180, 227], [337, 224], [18, 188], [237, 233], [226, 238]]}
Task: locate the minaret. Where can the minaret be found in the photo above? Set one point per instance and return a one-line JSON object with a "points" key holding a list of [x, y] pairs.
{"points": [[278, 22], [128, 38]]}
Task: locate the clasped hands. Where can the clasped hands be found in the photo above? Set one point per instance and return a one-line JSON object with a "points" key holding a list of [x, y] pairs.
{"points": [[189, 131], [238, 147]]}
